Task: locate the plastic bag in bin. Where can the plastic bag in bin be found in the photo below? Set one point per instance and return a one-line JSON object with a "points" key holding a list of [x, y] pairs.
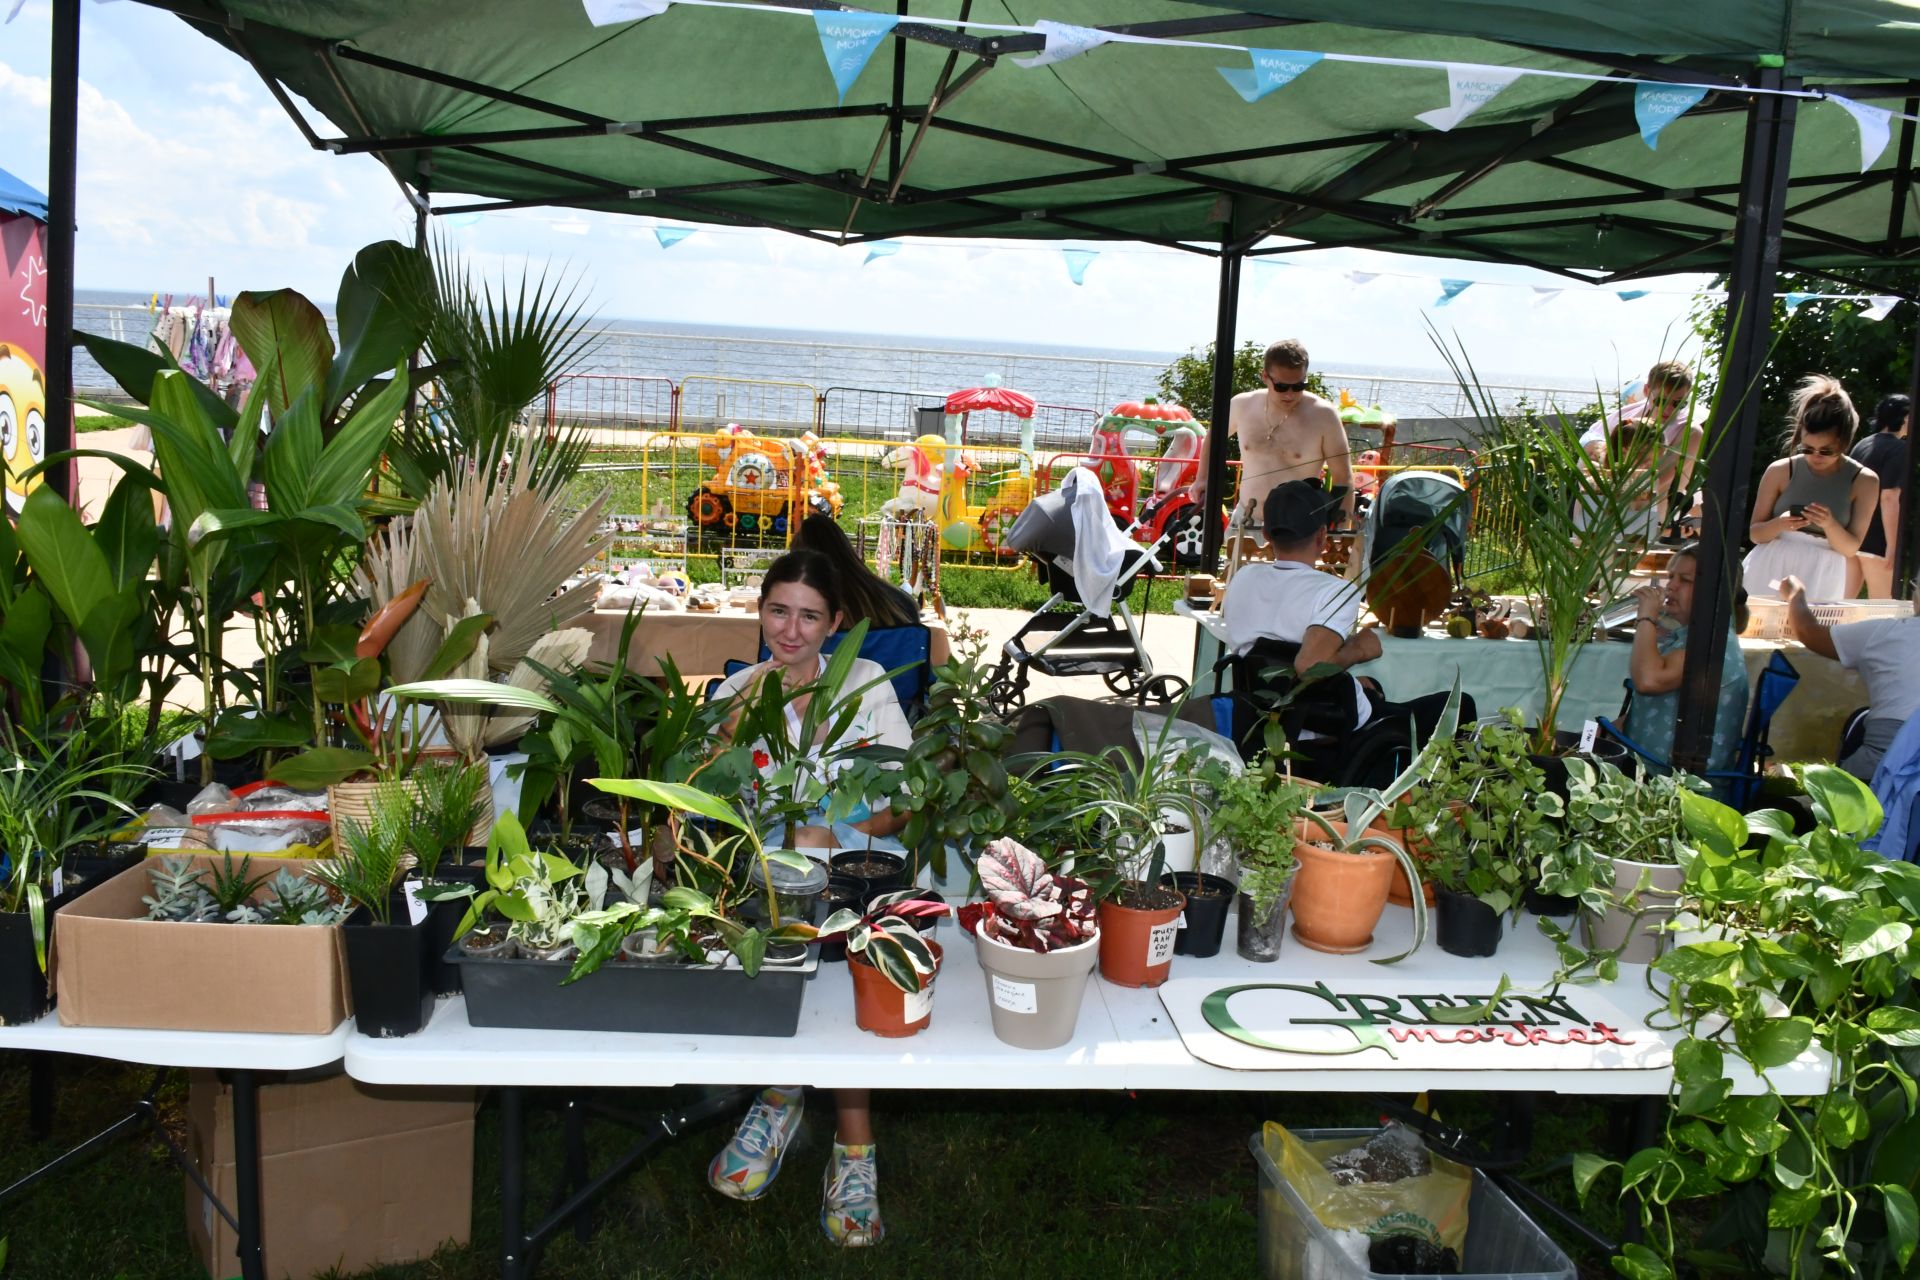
{"points": [[1382, 1186]]}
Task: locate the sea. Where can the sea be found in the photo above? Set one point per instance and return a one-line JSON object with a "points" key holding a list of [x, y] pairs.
{"points": [[633, 360]]}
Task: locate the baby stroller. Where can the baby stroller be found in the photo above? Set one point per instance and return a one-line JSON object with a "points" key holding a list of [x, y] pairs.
{"points": [[1428, 505], [1064, 637]]}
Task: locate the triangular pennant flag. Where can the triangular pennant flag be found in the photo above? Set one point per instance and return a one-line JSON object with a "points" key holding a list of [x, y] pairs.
{"points": [[880, 249], [604, 13], [1655, 106], [1795, 300], [1363, 277], [1874, 128], [1272, 68], [1882, 304], [1064, 40], [1270, 261], [671, 236], [1451, 289], [1545, 293], [1077, 260], [14, 12], [1628, 295], [848, 37], [1469, 88]]}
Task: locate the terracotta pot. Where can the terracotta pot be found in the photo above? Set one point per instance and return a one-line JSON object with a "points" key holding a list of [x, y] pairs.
{"points": [[1338, 897], [1136, 947], [886, 1010], [355, 800], [1401, 894]]}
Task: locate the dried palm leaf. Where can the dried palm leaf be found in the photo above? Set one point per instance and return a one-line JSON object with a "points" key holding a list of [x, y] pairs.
{"points": [[556, 651]]}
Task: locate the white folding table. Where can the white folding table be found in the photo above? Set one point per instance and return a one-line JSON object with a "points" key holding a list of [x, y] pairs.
{"points": [[1125, 1039], [240, 1056]]}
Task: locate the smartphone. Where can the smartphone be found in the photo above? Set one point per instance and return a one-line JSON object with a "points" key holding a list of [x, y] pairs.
{"points": [[1797, 510]]}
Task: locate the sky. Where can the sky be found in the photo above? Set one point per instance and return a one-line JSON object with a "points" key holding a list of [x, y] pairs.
{"points": [[189, 169]]}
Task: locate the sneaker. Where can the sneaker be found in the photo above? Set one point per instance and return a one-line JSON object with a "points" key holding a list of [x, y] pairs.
{"points": [[850, 1202], [747, 1166]]}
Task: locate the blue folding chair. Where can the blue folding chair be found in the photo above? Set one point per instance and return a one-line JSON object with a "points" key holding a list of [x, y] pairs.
{"points": [[1740, 784], [891, 647]]}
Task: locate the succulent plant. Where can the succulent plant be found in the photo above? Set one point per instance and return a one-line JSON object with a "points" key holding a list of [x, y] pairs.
{"points": [[179, 893]]}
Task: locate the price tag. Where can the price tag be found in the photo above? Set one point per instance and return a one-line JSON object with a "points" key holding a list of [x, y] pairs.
{"points": [[1014, 997], [1588, 732], [1181, 923], [416, 909], [1160, 943], [919, 1003], [59, 882], [171, 838]]}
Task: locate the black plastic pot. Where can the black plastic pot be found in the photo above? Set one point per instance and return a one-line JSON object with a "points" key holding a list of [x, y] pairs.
{"points": [[390, 971], [1549, 904], [443, 918], [84, 871], [878, 871], [1555, 769], [23, 988], [842, 892], [1464, 925], [677, 999], [1208, 898]]}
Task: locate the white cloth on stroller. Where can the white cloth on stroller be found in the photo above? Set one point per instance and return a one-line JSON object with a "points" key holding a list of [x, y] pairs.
{"points": [[1099, 549]]}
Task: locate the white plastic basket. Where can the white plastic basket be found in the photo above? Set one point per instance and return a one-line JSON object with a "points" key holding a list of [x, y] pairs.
{"points": [[1767, 619]]}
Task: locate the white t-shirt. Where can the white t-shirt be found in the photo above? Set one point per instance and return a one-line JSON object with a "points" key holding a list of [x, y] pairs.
{"points": [[1281, 599], [879, 721], [1886, 653]]}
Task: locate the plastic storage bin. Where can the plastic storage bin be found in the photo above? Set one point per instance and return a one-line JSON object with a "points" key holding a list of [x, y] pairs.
{"points": [[1502, 1242]]}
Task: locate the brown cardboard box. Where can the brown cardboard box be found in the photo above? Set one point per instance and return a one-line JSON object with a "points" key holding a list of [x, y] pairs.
{"points": [[114, 968], [352, 1175]]}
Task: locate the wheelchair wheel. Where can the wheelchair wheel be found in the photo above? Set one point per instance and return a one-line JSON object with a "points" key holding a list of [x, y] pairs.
{"points": [[1161, 691], [1376, 758], [1125, 682], [1006, 697]]}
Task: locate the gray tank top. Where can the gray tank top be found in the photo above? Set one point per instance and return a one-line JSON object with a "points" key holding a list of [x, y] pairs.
{"points": [[1834, 491]]}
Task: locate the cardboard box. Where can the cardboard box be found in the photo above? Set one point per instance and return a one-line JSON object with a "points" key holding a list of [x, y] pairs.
{"points": [[352, 1175], [114, 968]]}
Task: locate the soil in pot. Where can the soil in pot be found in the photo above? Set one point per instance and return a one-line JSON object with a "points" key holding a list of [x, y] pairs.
{"points": [[389, 969], [1338, 897], [1464, 925], [490, 943], [23, 987], [1136, 942], [877, 871], [1033, 996], [886, 1010], [1208, 898]]}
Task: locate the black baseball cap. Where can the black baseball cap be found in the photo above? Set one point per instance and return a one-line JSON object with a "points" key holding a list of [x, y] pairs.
{"points": [[1297, 509]]}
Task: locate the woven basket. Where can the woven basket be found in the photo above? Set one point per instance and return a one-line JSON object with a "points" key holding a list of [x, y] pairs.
{"points": [[355, 800]]}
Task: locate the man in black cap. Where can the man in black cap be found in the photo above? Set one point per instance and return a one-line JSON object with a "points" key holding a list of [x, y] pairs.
{"points": [[1291, 601]]}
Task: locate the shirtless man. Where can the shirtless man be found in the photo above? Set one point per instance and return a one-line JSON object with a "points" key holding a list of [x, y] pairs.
{"points": [[1286, 433]]}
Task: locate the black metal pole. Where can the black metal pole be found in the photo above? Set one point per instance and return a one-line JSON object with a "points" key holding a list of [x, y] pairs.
{"points": [[1904, 544], [515, 1251], [63, 139], [246, 1174], [1223, 343], [1735, 422]]}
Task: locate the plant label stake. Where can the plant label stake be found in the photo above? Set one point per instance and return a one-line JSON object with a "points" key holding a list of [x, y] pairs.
{"points": [[1589, 733]]}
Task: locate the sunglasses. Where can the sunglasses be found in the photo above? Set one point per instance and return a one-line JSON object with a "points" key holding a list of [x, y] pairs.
{"points": [[1811, 452], [1287, 386]]}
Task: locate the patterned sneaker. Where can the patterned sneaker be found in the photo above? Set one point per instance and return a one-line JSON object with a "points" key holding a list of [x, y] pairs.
{"points": [[747, 1166], [850, 1200]]}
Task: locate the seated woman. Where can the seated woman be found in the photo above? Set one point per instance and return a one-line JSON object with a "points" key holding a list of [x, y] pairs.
{"points": [[800, 606], [1660, 658], [1812, 507]]}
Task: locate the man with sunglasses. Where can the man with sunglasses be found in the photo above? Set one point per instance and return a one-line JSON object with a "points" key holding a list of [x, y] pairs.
{"points": [[1286, 433]]}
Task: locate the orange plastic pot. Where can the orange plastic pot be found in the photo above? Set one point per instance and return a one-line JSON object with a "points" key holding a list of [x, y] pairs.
{"points": [[1136, 947], [886, 1010], [1338, 897], [1401, 894]]}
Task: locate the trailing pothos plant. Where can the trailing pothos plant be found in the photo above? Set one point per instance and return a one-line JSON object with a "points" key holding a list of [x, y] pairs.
{"points": [[1811, 947]]}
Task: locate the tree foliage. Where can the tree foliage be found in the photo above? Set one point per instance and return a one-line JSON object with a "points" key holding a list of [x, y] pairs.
{"points": [[1189, 379]]}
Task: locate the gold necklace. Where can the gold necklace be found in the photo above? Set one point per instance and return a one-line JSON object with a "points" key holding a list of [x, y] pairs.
{"points": [[1267, 412]]}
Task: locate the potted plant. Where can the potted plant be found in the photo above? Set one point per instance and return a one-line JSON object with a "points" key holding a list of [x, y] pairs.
{"points": [[1036, 937], [1639, 826], [46, 786], [389, 963], [1346, 870], [1119, 807], [1813, 950], [892, 966], [1255, 812]]}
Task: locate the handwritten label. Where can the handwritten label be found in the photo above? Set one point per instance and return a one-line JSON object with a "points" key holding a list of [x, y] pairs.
{"points": [[1014, 997], [170, 837], [1589, 731], [919, 1003], [1160, 942]]}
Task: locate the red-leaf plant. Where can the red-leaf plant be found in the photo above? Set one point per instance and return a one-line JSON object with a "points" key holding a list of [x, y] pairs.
{"points": [[1028, 906]]}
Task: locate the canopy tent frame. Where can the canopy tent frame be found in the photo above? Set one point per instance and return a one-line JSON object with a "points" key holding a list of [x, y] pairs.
{"points": [[1764, 234]]}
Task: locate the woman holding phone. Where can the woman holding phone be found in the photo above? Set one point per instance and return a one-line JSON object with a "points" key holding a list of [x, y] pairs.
{"points": [[1813, 506]]}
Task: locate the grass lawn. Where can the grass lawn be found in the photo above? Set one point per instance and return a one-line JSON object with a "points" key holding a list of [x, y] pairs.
{"points": [[994, 1184]]}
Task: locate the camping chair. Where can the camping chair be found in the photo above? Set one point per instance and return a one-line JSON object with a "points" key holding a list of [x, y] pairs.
{"points": [[1740, 784], [1336, 753], [891, 647]]}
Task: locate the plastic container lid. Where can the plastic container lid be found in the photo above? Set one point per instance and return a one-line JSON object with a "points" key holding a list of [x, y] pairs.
{"points": [[789, 880]]}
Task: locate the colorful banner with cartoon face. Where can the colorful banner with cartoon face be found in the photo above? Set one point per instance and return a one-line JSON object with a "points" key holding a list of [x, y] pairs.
{"points": [[23, 353]]}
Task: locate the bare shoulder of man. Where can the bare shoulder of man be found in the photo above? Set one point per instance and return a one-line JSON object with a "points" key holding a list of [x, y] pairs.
{"points": [[1327, 424], [1242, 408]]}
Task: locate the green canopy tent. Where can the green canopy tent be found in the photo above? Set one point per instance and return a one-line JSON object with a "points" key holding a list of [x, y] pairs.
{"points": [[728, 113]]}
